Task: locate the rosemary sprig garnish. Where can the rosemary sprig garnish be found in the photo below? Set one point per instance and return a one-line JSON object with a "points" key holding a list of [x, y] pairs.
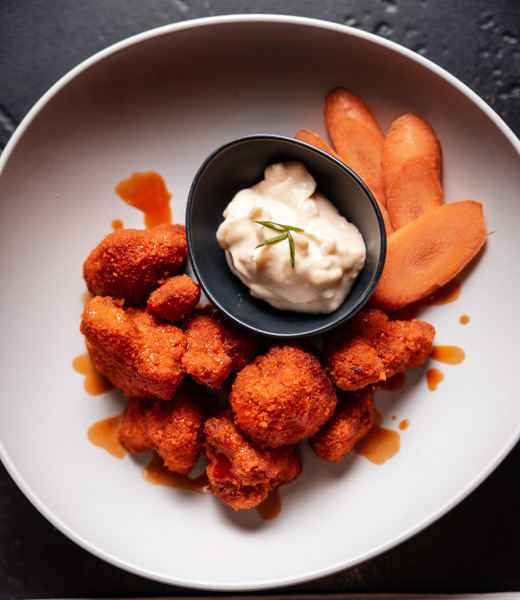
{"points": [[280, 238]]}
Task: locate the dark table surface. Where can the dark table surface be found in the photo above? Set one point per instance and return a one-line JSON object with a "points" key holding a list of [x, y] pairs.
{"points": [[474, 548]]}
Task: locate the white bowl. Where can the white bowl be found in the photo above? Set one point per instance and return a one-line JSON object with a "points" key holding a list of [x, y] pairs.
{"points": [[162, 101]]}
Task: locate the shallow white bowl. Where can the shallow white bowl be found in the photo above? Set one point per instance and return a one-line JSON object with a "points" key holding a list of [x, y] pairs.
{"points": [[162, 101]]}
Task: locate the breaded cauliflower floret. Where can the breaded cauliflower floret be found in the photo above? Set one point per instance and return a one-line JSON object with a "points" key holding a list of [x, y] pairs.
{"points": [[215, 347], [175, 299], [353, 418], [173, 429], [137, 352], [129, 263], [370, 348], [240, 473], [282, 397]]}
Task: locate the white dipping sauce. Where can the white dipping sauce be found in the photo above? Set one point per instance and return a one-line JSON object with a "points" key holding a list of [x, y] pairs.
{"points": [[329, 254]]}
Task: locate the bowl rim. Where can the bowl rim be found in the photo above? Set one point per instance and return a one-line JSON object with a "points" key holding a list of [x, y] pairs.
{"points": [[287, 18], [334, 319], [173, 28]]}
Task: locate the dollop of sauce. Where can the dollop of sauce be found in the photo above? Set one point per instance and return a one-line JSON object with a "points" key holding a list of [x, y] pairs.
{"points": [[147, 192], [104, 434], [95, 384], [328, 254]]}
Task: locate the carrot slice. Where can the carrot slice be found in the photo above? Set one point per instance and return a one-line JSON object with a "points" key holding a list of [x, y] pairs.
{"points": [[357, 139], [313, 138], [424, 255], [411, 164]]}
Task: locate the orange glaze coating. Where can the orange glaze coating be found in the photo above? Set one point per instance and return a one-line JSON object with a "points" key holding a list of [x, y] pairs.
{"points": [[371, 348], [136, 351], [129, 263], [353, 418], [240, 473], [173, 429], [215, 347], [175, 299], [282, 397]]}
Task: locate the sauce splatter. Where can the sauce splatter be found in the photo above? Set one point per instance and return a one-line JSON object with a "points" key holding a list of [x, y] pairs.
{"points": [[433, 378], [95, 384], [271, 506], [117, 224], [404, 424], [147, 192], [104, 435], [379, 444], [464, 320], [451, 355], [158, 474], [393, 384]]}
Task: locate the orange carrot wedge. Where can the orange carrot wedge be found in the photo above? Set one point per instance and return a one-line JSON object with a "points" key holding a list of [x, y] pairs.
{"points": [[411, 163], [428, 252], [358, 140], [313, 138]]}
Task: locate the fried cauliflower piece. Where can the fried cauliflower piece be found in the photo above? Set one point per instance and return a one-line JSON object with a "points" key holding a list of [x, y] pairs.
{"points": [[282, 397], [370, 348], [215, 347], [240, 473], [172, 429], [353, 418], [129, 263], [175, 299], [135, 350]]}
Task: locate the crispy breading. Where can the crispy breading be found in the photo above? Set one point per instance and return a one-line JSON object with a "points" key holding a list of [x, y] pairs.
{"points": [[370, 348], [138, 352], [175, 299], [353, 418], [282, 397], [172, 429], [129, 263], [215, 347], [240, 473]]}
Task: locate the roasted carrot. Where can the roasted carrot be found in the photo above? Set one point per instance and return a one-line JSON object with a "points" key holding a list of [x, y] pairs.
{"points": [[411, 163], [428, 252], [314, 139], [357, 138]]}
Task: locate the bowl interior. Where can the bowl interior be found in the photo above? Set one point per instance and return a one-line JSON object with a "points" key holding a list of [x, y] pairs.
{"points": [[239, 165], [163, 102]]}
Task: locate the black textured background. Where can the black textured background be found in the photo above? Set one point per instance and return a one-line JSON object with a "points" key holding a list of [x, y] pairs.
{"points": [[476, 547]]}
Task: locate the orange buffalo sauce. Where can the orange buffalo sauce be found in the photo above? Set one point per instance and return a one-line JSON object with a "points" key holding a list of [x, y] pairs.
{"points": [[158, 474], [433, 378], [95, 384], [446, 294], [117, 224], [147, 192], [379, 444], [404, 424], [464, 320], [271, 506], [451, 355], [104, 435]]}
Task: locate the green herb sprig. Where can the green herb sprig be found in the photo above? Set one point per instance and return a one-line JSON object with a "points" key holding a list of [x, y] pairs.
{"points": [[286, 235]]}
